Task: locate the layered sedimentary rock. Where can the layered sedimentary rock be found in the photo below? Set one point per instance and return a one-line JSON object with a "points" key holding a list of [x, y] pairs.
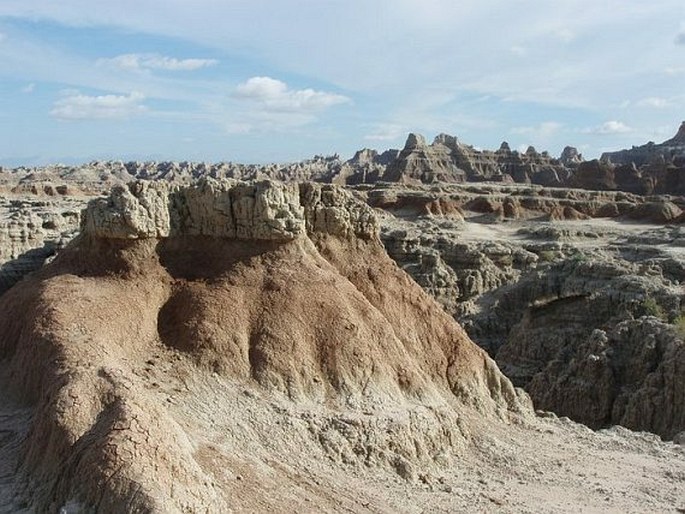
{"points": [[651, 168], [278, 291], [532, 294], [645, 170], [632, 374], [30, 233], [510, 202], [449, 160]]}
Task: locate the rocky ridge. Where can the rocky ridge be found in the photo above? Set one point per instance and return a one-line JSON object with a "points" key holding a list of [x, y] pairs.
{"points": [[644, 170]]}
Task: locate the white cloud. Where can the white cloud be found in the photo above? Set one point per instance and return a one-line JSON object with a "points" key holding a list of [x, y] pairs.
{"points": [[29, 88], [653, 101], [273, 94], [77, 106], [155, 62], [680, 38], [609, 127], [386, 132], [541, 131], [518, 51], [265, 104], [565, 35]]}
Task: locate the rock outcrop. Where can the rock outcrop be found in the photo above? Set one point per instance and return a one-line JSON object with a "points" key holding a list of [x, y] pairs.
{"points": [[31, 232], [447, 160], [284, 291], [420, 163], [533, 295], [632, 375], [671, 149], [651, 168]]}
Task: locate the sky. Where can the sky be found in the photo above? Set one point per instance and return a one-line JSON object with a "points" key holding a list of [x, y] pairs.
{"points": [[258, 81]]}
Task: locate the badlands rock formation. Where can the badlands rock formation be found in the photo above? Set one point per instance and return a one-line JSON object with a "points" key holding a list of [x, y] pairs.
{"points": [[282, 293], [449, 160], [31, 231], [533, 293], [644, 170], [503, 288]]}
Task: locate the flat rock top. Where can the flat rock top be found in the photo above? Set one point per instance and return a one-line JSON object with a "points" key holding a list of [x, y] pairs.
{"points": [[266, 211]]}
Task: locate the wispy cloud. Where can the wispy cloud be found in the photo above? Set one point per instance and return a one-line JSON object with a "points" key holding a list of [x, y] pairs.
{"points": [[2, 37], [29, 88], [680, 38], [273, 94], [385, 132], [541, 131], [439, 94], [155, 62], [609, 127], [654, 102], [518, 51], [77, 106]]}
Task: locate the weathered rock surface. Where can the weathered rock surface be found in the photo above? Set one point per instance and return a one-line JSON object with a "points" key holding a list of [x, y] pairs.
{"points": [[30, 233], [633, 375], [533, 293], [163, 288], [651, 168], [673, 148], [448, 160], [491, 284]]}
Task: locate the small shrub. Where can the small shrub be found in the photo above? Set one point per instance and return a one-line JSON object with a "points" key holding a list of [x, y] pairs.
{"points": [[679, 323], [547, 256], [652, 308]]}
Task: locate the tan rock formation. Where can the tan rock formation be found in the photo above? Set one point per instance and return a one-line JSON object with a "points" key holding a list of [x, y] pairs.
{"points": [[163, 281]]}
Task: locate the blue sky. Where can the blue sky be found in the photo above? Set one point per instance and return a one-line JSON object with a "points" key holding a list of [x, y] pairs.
{"points": [[282, 80]]}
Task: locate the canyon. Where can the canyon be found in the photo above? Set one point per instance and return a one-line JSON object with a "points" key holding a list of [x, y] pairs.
{"points": [[303, 329]]}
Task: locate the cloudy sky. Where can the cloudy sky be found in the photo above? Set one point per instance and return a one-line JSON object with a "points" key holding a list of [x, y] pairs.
{"points": [[281, 80]]}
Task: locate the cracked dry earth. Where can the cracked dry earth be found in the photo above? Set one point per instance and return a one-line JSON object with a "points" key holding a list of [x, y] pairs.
{"points": [[540, 465], [260, 450]]}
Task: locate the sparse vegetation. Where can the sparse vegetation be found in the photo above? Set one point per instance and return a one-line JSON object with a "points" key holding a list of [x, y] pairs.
{"points": [[547, 256], [679, 323], [651, 307]]}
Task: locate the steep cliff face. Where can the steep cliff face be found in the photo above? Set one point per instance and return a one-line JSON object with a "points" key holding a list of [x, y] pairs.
{"points": [[283, 290], [632, 374]]}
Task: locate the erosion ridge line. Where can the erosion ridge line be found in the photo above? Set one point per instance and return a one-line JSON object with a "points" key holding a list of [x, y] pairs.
{"points": [[645, 170]]}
